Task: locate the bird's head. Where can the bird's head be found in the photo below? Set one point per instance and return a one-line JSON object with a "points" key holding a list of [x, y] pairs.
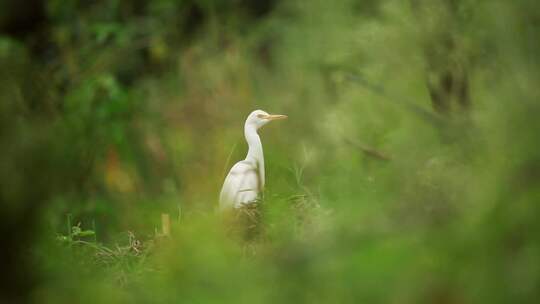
{"points": [[259, 118]]}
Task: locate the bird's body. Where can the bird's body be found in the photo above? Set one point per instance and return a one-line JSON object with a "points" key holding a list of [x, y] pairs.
{"points": [[245, 181], [241, 186]]}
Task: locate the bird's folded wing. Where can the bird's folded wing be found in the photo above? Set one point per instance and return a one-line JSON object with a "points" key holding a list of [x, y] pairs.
{"points": [[241, 185]]}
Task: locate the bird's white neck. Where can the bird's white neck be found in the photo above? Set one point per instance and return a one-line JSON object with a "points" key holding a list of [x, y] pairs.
{"points": [[255, 151]]}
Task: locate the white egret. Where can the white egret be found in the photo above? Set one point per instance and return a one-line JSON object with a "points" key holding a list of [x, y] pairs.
{"points": [[245, 181]]}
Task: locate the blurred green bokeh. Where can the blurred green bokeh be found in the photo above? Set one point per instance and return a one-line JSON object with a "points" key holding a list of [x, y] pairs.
{"points": [[408, 170]]}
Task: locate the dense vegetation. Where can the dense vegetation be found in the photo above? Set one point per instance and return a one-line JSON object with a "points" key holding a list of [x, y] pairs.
{"points": [[408, 170]]}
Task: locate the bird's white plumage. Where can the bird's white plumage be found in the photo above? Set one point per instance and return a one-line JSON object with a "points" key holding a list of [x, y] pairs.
{"points": [[245, 181], [241, 185]]}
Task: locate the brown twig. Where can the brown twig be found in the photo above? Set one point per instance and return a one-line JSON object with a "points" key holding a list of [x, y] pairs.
{"points": [[369, 151]]}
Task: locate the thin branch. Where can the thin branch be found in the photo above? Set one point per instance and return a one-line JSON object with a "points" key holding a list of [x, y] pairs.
{"points": [[369, 151], [426, 115]]}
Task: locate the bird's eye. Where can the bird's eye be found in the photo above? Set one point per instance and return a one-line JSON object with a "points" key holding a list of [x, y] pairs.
{"points": [[261, 116]]}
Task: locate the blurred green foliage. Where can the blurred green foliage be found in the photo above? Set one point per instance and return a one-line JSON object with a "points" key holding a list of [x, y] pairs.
{"points": [[407, 172]]}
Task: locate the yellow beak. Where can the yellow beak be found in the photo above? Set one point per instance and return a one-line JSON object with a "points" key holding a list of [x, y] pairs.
{"points": [[276, 117]]}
